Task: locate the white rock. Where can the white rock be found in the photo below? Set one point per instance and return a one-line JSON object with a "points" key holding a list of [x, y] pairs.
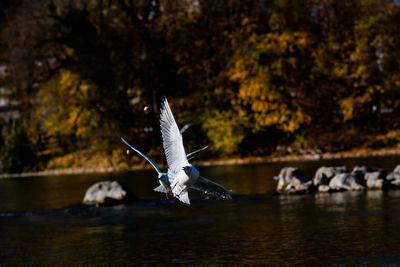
{"points": [[105, 192]]}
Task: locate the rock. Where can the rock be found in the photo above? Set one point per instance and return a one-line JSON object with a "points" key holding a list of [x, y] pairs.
{"points": [[360, 171], [395, 174], [106, 193], [291, 180], [375, 184], [372, 178], [375, 180], [395, 184], [323, 188], [376, 175], [345, 182], [324, 174], [393, 178]]}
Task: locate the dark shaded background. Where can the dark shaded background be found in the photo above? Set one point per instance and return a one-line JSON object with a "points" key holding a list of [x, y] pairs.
{"points": [[254, 77]]}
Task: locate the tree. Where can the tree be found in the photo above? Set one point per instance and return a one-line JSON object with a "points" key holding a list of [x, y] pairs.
{"points": [[17, 155], [272, 78], [374, 63]]}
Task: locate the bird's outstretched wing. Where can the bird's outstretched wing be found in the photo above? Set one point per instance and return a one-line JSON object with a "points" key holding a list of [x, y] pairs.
{"points": [[193, 154], [172, 139], [143, 155], [211, 188]]}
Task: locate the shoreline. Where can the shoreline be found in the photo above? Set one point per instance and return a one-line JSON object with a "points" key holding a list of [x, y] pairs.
{"points": [[359, 153]]}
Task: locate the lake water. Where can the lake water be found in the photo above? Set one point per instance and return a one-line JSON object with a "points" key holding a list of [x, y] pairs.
{"points": [[41, 223]]}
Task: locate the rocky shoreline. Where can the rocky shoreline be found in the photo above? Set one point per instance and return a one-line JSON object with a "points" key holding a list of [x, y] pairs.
{"points": [[215, 162], [336, 179]]}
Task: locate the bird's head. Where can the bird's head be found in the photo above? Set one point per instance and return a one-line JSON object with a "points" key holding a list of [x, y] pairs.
{"points": [[191, 171], [187, 169]]}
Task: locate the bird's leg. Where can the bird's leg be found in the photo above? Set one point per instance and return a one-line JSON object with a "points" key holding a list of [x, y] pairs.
{"points": [[168, 193], [173, 187], [180, 193]]}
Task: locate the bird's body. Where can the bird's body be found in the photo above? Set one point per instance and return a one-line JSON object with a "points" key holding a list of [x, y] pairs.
{"points": [[183, 179], [165, 179], [182, 174]]}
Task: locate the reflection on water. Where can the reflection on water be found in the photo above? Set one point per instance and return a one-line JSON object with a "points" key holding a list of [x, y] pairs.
{"points": [[40, 223]]}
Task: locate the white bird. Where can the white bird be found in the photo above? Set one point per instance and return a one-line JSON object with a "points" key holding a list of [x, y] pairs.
{"points": [[183, 174], [165, 183]]}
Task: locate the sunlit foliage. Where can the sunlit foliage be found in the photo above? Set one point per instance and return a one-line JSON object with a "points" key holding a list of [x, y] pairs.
{"points": [[226, 129], [270, 82], [65, 108]]}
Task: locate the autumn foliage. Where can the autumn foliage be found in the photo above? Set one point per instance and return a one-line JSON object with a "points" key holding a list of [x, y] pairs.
{"points": [[250, 76]]}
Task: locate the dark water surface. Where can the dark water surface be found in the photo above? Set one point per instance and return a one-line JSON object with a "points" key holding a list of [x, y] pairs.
{"points": [[41, 223]]}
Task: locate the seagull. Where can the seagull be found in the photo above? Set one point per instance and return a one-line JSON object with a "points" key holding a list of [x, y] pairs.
{"points": [[181, 173], [165, 183]]}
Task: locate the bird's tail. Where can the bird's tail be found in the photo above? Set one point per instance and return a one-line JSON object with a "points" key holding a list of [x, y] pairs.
{"points": [[160, 189], [184, 197], [180, 193]]}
